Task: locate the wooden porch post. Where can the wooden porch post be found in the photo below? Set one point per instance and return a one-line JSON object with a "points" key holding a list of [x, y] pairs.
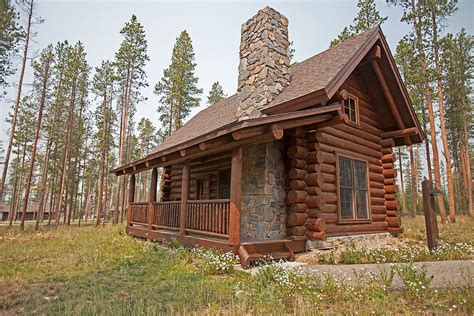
{"points": [[152, 197], [184, 196], [235, 197], [131, 197]]}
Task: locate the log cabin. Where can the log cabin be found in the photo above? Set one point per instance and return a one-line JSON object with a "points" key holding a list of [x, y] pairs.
{"points": [[300, 153]]}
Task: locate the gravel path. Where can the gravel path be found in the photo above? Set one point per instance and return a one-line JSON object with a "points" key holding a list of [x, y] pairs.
{"points": [[455, 273]]}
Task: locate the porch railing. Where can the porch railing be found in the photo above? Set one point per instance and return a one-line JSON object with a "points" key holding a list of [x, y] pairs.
{"points": [[208, 217], [139, 213], [166, 215]]}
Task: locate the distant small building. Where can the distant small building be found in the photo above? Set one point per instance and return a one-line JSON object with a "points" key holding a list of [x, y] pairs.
{"points": [[30, 212]]}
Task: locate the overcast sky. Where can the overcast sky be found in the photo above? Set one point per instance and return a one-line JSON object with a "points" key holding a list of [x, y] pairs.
{"points": [[214, 27]]}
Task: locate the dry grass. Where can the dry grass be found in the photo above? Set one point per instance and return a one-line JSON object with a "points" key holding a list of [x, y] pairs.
{"points": [[93, 271], [460, 232]]}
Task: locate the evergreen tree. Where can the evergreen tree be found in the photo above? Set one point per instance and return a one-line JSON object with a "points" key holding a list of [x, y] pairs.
{"points": [[28, 9], [418, 16], [457, 64], [42, 73], [130, 61], [367, 18], [104, 88], [178, 89], [76, 75], [10, 33], [215, 94]]}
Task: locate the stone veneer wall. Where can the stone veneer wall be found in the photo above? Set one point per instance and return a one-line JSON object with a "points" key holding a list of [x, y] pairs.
{"points": [[263, 212], [264, 62]]}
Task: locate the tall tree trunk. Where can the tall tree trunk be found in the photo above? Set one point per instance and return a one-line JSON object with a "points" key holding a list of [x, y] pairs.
{"points": [[20, 185], [44, 177], [51, 200], [414, 190], [18, 97], [39, 122], [102, 162], [15, 186], [447, 155], [123, 122], [428, 99], [467, 163], [427, 145], [65, 155]]}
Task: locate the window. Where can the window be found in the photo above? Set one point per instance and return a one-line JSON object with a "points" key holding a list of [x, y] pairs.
{"points": [[203, 187], [351, 107], [353, 192], [224, 184]]}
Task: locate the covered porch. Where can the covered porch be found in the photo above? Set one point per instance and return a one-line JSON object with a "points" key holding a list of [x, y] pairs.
{"points": [[193, 219]]}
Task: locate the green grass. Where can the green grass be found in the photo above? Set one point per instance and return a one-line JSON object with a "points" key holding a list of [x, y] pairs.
{"points": [[91, 271]]}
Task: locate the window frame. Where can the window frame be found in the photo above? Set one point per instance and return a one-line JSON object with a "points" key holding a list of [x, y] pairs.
{"points": [[357, 114], [354, 218]]}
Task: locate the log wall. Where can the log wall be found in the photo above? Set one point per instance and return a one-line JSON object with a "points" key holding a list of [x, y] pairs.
{"points": [[311, 155]]}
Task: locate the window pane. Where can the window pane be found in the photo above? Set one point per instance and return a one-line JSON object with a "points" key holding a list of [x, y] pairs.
{"points": [[353, 116], [346, 203], [352, 104], [345, 172], [360, 174], [361, 201], [347, 107]]}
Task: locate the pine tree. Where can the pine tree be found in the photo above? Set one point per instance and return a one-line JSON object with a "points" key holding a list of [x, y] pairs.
{"points": [[457, 64], [178, 89], [75, 76], [28, 8], [418, 17], [22, 140], [130, 61], [42, 70], [215, 94], [367, 18], [104, 88], [10, 33], [438, 12]]}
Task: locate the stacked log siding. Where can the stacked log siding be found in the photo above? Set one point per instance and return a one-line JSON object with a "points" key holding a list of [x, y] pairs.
{"points": [[312, 153]]}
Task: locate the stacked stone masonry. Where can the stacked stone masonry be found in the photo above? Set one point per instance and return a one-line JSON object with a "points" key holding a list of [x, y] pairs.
{"points": [[264, 62], [263, 192]]}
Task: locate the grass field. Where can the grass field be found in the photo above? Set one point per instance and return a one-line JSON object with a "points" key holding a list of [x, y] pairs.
{"points": [[90, 270]]}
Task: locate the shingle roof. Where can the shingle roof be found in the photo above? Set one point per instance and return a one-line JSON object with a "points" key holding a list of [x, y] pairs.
{"points": [[311, 75]]}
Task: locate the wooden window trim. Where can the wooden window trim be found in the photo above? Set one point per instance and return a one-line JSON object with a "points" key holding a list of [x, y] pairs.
{"points": [[369, 207], [357, 112]]}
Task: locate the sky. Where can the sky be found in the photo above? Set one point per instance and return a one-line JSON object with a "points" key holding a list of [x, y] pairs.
{"points": [[214, 27]]}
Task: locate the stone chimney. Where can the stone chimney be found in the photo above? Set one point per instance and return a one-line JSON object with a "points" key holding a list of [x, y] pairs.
{"points": [[264, 62]]}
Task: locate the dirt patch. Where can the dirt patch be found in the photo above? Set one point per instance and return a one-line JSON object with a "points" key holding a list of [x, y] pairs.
{"points": [[335, 247]]}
